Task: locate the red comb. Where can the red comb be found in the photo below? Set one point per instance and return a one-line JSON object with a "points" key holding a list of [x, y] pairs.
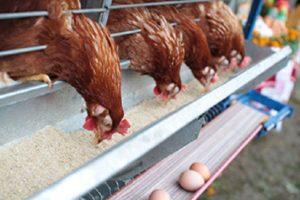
{"points": [[89, 124], [155, 91]]}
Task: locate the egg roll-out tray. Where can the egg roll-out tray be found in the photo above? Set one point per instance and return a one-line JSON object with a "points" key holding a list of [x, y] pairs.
{"points": [[218, 143]]}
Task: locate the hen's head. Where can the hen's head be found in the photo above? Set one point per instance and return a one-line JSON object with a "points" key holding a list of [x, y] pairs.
{"points": [[168, 52], [89, 62], [206, 76], [105, 122], [166, 90]]}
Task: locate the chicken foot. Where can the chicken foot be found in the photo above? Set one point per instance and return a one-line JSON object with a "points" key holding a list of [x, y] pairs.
{"points": [[40, 77]]}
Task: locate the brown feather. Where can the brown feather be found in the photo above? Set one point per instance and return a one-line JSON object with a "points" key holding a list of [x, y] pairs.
{"points": [[157, 51], [221, 27]]}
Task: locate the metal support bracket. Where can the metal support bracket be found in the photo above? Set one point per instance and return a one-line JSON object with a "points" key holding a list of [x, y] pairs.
{"points": [[103, 18]]}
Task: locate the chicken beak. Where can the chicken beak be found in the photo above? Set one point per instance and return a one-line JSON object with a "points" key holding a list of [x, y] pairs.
{"points": [[122, 129], [102, 127]]}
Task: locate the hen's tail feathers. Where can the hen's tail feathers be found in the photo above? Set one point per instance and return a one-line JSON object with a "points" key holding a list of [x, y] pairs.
{"points": [[161, 35]]}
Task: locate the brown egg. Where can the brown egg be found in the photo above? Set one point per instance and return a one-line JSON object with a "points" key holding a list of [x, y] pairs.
{"points": [[190, 180], [159, 195], [201, 169]]}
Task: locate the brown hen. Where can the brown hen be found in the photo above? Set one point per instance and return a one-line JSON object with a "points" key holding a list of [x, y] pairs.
{"points": [[156, 51], [79, 52], [223, 31]]}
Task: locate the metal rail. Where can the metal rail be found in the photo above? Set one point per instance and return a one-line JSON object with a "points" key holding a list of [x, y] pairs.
{"points": [[18, 15], [124, 33], [151, 4], [5, 16], [134, 147], [22, 50]]}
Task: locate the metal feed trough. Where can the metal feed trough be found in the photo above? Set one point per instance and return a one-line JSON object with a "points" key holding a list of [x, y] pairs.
{"points": [[60, 108]]}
